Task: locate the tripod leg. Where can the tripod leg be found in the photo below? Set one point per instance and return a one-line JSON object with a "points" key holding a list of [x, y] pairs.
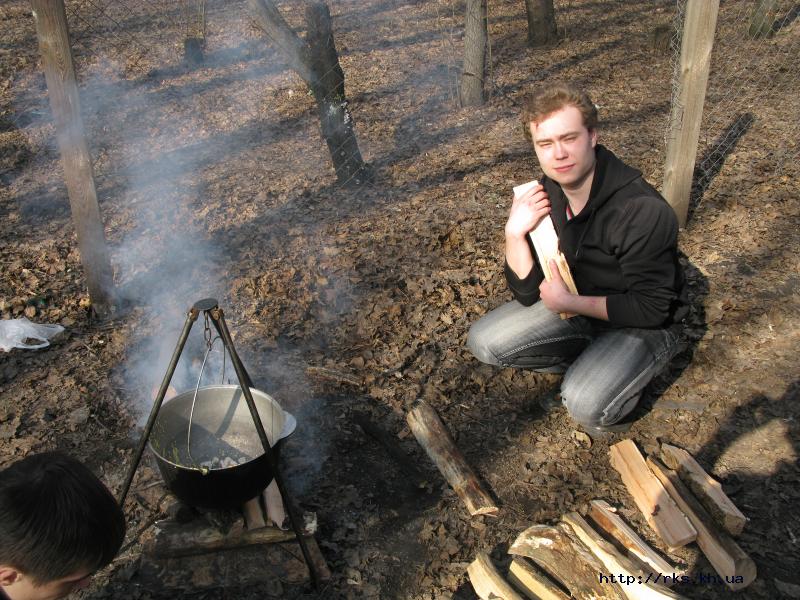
{"points": [[218, 318], [162, 391]]}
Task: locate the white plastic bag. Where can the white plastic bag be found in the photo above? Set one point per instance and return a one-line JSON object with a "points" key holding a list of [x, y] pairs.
{"points": [[14, 333]]}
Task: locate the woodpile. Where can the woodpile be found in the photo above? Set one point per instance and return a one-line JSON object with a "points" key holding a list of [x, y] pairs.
{"points": [[601, 556]]}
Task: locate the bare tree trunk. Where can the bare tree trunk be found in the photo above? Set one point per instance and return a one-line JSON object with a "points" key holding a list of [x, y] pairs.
{"points": [[317, 62], [328, 89], [541, 22], [476, 39], [54, 44]]}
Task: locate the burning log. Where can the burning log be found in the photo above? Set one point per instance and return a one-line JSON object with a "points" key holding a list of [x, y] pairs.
{"points": [[568, 560], [636, 584], [253, 514], [276, 512], [174, 540], [488, 583], [535, 584], [605, 517], [706, 488], [659, 510], [433, 436], [724, 554]]}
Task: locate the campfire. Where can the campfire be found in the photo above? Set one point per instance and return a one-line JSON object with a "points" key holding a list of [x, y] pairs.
{"points": [[217, 448]]}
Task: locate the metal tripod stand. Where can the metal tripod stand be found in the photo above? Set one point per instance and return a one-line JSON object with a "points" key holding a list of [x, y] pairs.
{"points": [[210, 307]]}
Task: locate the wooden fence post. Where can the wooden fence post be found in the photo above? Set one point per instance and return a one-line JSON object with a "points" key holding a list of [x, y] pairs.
{"points": [[699, 25], [54, 45]]}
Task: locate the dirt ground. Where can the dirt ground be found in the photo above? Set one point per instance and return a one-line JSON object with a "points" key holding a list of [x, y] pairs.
{"points": [[351, 304]]}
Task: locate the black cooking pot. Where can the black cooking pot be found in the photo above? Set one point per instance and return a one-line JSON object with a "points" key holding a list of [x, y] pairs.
{"points": [[221, 462]]}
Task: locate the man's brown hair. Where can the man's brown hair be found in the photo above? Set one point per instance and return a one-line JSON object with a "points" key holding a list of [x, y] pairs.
{"points": [[552, 97]]}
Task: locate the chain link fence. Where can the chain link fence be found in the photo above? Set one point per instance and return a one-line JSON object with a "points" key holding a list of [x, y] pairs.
{"points": [[754, 68]]}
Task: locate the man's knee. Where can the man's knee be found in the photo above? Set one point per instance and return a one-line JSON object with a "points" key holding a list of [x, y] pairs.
{"points": [[593, 407], [478, 342], [584, 406]]}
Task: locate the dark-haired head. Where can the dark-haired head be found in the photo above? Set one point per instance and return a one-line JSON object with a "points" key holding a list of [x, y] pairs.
{"points": [[56, 518]]}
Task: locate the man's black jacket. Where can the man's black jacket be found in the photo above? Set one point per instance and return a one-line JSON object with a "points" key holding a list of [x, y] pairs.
{"points": [[622, 245]]}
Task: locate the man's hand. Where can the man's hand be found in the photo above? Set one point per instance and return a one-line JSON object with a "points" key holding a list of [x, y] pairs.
{"points": [[526, 212], [554, 293], [556, 297]]}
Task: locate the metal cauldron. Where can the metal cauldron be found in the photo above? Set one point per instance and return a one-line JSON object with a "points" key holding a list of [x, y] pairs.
{"points": [[222, 433]]}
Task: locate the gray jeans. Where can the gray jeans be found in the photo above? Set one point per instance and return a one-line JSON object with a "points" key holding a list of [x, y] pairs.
{"points": [[605, 369]]}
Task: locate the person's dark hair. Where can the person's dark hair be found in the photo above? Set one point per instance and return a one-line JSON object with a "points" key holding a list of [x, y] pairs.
{"points": [[56, 518], [551, 97]]}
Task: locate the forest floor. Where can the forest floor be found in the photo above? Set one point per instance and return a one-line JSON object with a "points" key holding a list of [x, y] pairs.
{"points": [[346, 303]]}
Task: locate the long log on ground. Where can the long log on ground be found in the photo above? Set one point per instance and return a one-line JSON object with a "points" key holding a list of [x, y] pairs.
{"points": [[565, 558], [659, 510], [636, 585], [608, 520], [433, 436], [488, 583], [728, 559], [705, 488], [189, 539], [533, 583]]}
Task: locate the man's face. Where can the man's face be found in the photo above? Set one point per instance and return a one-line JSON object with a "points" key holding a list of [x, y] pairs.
{"points": [[23, 588], [564, 147]]}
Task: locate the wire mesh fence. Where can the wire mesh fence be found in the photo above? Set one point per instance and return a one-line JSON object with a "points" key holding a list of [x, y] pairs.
{"points": [[753, 69]]}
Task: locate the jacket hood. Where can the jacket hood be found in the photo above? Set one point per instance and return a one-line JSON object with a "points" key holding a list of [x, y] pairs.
{"points": [[610, 174]]}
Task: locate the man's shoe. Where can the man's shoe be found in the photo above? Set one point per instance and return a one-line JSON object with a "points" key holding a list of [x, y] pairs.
{"points": [[550, 401], [602, 431]]}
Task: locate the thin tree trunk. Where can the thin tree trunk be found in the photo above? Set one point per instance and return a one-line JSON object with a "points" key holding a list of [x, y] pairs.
{"points": [[476, 38], [328, 89], [541, 22], [62, 89], [317, 62]]}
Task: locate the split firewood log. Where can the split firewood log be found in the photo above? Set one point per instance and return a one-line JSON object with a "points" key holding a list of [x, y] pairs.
{"points": [[488, 582], [273, 502], [545, 243], [705, 488], [567, 560], [253, 514], [728, 559], [636, 584], [659, 510], [610, 522], [533, 583]]}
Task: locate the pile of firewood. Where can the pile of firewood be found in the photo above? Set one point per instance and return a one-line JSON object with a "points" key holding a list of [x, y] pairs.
{"points": [[681, 503]]}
